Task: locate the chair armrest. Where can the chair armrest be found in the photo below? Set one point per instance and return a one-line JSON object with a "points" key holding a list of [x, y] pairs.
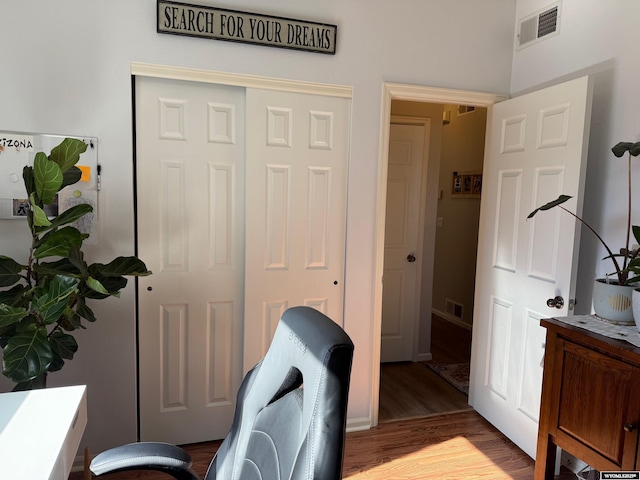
{"points": [[163, 457]]}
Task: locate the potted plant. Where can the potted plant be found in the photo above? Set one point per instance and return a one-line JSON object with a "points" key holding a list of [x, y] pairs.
{"points": [[44, 299], [612, 295]]}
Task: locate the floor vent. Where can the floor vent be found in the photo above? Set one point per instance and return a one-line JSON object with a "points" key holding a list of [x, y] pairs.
{"points": [[539, 26], [454, 308]]}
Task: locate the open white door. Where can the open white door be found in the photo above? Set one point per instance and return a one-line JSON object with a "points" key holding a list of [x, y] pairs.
{"points": [[401, 266], [296, 203], [536, 150]]}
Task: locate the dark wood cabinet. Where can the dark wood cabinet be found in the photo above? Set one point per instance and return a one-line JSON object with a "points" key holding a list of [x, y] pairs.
{"points": [[590, 403]]}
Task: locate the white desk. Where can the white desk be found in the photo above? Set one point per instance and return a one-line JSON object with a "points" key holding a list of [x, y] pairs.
{"points": [[40, 431]]}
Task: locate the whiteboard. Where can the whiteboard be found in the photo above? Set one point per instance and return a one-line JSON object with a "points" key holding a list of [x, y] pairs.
{"points": [[19, 149]]}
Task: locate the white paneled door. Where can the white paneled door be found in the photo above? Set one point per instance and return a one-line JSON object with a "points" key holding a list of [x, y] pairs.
{"points": [[399, 298], [536, 150], [190, 180], [297, 152], [241, 213]]}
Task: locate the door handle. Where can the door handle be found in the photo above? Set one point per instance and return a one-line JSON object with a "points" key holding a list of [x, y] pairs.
{"points": [[411, 258], [557, 302]]}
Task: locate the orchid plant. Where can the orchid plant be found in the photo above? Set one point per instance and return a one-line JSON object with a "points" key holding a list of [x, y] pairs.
{"points": [[627, 261]]}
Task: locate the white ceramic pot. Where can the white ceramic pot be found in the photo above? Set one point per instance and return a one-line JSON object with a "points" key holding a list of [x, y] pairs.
{"points": [[635, 306], [612, 302]]}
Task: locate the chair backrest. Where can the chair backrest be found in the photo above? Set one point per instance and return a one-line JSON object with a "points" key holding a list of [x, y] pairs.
{"points": [[290, 414]]}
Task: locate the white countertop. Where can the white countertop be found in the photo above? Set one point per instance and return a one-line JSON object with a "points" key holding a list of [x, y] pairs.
{"points": [[40, 431]]}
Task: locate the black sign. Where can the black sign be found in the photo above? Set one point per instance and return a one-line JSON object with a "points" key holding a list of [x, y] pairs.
{"points": [[221, 24]]}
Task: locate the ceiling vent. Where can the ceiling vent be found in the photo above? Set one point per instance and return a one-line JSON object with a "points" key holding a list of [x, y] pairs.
{"points": [[539, 26]]}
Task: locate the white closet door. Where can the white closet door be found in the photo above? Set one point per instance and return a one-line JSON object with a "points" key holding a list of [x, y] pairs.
{"points": [[297, 159], [190, 181]]}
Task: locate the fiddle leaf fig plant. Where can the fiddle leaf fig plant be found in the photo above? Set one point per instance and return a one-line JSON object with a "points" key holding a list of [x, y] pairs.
{"points": [[45, 299], [627, 270]]}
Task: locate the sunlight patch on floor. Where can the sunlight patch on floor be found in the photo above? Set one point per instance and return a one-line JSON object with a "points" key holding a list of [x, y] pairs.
{"points": [[456, 458]]}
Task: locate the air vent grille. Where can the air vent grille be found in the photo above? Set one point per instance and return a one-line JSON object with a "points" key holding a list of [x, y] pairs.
{"points": [[547, 22], [539, 25]]}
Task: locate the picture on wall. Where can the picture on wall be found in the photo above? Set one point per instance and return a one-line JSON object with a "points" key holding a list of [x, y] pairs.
{"points": [[466, 184]]}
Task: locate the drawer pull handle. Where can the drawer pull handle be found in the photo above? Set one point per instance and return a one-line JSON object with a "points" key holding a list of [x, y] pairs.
{"points": [[629, 427]]}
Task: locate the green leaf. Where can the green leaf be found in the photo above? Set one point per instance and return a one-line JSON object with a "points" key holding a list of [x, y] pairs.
{"points": [[84, 311], [56, 364], [67, 153], [51, 300], [9, 271], [96, 286], [71, 215], [29, 182], [60, 267], [27, 355], [76, 257], [34, 384], [122, 266], [636, 232], [621, 148], [16, 296], [561, 199], [71, 176], [113, 285], [10, 315], [63, 344], [59, 243], [48, 178], [40, 218]]}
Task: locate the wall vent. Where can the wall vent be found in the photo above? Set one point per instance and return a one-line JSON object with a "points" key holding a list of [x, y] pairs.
{"points": [[454, 308], [539, 26]]}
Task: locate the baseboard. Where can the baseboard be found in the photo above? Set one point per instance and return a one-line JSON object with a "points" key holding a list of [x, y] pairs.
{"points": [[78, 464], [358, 424], [450, 318], [424, 357]]}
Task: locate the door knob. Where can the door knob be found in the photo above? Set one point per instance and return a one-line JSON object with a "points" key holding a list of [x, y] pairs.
{"points": [[411, 258], [629, 427], [557, 302]]}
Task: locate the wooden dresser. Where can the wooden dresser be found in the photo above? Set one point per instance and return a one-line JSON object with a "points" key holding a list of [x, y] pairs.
{"points": [[590, 404]]}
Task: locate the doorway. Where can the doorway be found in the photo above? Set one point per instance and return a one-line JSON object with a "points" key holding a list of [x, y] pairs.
{"points": [[435, 99], [433, 379]]}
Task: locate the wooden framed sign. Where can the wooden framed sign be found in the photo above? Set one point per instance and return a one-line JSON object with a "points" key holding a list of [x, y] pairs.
{"points": [[177, 18]]}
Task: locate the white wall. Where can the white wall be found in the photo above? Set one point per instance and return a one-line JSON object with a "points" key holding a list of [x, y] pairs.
{"points": [[65, 70], [601, 39]]}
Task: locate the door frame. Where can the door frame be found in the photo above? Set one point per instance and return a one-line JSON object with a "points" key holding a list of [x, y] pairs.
{"points": [[239, 80], [411, 93]]}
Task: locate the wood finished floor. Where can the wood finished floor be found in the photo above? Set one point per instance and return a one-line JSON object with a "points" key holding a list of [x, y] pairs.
{"points": [[453, 446], [411, 390], [426, 444]]}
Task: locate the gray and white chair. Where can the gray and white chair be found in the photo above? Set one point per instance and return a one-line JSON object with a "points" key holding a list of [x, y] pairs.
{"points": [[290, 413]]}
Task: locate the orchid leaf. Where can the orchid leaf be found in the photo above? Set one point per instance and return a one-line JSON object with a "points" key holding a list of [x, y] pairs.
{"points": [[547, 206], [621, 148]]}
